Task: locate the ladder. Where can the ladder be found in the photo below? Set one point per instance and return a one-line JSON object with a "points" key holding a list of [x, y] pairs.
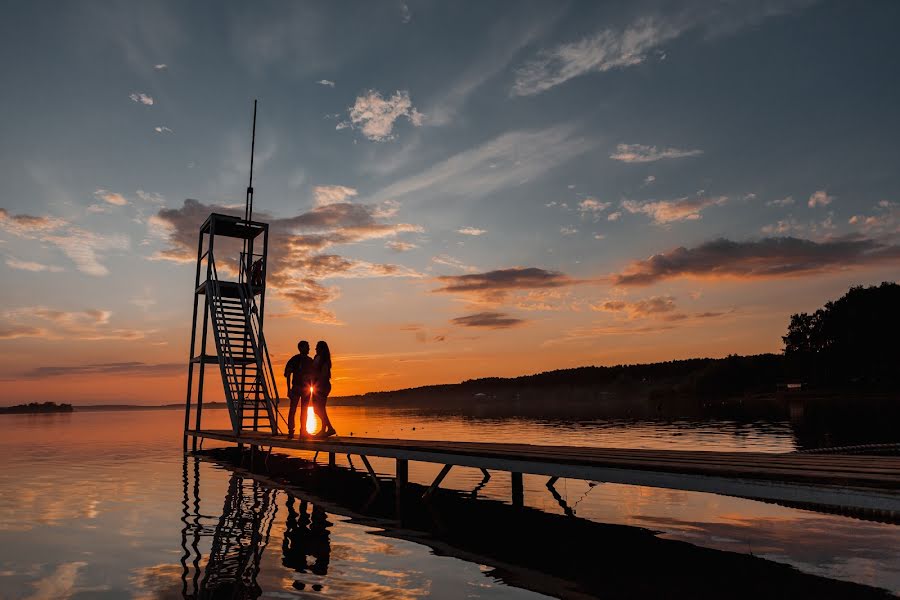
{"points": [[251, 392]]}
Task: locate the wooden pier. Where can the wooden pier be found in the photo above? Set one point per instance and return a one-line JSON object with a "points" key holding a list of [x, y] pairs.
{"points": [[862, 483]]}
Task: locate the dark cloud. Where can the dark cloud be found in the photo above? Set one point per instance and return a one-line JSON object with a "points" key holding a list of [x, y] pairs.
{"points": [[768, 257], [120, 368], [296, 261], [501, 281], [645, 307], [488, 320]]}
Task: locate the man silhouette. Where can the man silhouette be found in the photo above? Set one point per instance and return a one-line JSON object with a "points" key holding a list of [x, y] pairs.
{"points": [[298, 374]]}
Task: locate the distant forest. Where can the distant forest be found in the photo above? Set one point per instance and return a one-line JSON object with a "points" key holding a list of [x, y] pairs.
{"points": [[849, 345], [36, 407]]}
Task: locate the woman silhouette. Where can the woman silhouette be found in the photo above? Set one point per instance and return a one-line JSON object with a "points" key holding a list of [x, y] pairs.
{"points": [[322, 372]]}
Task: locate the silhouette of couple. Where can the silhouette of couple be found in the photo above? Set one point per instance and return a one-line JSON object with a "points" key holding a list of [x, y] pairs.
{"points": [[309, 381]]}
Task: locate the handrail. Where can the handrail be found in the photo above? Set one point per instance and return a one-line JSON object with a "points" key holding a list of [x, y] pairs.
{"points": [[228, 366], [261, 350]]}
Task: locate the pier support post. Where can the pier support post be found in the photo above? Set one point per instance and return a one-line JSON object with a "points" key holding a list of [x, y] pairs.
{"points": [[436, 483], [400, 483], [331, 459], [518, 490]]}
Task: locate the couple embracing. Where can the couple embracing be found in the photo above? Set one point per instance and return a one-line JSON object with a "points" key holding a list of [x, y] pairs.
{"points": [[309, 381]]}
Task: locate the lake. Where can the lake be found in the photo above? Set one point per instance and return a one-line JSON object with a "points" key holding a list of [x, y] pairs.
{"points": [[106, 505]]}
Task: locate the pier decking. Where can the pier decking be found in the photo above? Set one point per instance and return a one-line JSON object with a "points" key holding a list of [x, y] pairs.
{"points": [[868, 483]]}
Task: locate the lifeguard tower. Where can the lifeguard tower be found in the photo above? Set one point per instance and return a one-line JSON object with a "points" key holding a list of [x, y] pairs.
{"points": [[230, 285]]}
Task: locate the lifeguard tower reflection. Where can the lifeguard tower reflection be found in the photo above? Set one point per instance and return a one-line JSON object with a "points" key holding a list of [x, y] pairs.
{"points": [[234, 546]]}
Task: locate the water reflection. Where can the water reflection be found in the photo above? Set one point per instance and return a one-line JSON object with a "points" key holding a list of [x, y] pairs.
{"points": [[237, 541], [306, 536], [588, 559]]}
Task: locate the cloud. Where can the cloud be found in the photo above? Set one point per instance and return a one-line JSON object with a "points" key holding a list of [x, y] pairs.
{"points": [[324, 195], [150, 197], [85, 247], [141, 98], [653, 306], [297, 261], [138, 369], [819, 198], [29, 225], [488, 320], [471, 231], [495, 285], [113, 198], [614, 216], [326, 83], [781, 202], [20, 331], [568, 231], [81, 246], [649, 179], [160, 67], [639, 153], [448, 261], [55, 324], [405, 13], [609, 49], [620, 48], [664, 212], [757, 259], [35, 267], [162, 129], [517, 158], [375, 116], [398, 246], [592, 207]]}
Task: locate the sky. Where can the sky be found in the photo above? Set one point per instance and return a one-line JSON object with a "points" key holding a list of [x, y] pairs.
{"points": [[454, 189]]}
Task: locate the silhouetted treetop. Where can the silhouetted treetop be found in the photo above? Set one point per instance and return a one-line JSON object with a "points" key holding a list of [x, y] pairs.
{"points": [[852, 338]]}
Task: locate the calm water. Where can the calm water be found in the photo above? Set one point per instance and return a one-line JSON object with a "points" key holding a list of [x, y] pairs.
{"points": [[105, 505]]}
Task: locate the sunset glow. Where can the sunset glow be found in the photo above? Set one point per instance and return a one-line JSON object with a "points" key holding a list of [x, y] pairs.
{"points": [[569, 191]]}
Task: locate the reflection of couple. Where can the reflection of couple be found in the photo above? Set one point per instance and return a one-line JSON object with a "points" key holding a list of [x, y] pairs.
{"points": [[309, 380]]}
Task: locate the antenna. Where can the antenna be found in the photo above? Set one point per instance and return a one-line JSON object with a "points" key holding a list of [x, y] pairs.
{"points": [[248, 207]]}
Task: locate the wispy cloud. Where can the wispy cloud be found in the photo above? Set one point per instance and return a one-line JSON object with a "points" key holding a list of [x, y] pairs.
{"points": [[326, 83], [375, 116], [113, 198], [639, 153], [756, 259], [160, 67], [565, 230], [323, 195], [34, 267], [138, 369], [517, 158], [162, 129], [781, 202], [488, 320], [620, 48], [471, 231], [448, 261], [606, 50], [50, 323], [141, 98], [664, 212], [81, 246], [398, 246]]}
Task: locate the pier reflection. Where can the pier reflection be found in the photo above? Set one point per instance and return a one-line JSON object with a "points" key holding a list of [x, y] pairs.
{"points": [[225, 555]]}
